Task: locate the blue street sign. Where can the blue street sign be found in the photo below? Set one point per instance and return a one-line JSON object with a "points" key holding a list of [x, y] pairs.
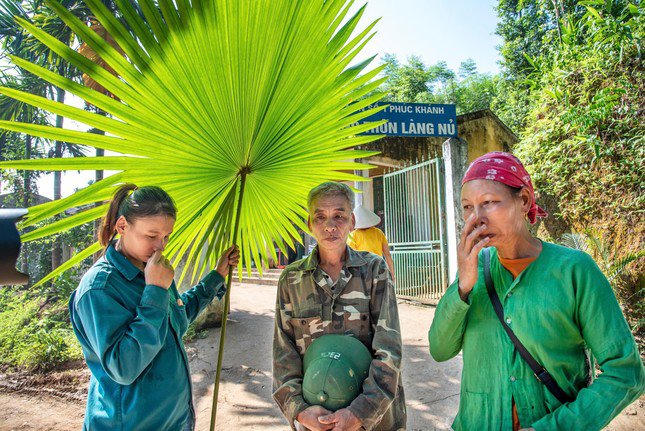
{"points": [[414, 119]]}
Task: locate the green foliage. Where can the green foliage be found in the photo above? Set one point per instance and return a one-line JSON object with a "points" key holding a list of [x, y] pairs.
{"points": [[35, 336], [588, 105], [416, 82], [474, 92], [530, 30], [512, 102], [405, 82], [192, 333], [35, 258], [35, 332], [584, 136]]}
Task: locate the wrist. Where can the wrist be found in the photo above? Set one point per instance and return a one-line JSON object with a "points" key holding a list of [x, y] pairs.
{"points": [[158, 283], [356, 415], [463, 293], [300, 414]]}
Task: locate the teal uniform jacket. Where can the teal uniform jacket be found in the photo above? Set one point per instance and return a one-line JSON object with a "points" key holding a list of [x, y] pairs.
{"points": [[561, 307], [131, 333]]}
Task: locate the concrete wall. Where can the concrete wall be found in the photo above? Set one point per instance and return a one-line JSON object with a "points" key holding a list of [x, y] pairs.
{"points": [[484, 132]]}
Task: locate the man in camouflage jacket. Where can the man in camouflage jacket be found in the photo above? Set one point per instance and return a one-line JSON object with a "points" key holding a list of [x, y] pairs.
{"points": [[337, 290]]}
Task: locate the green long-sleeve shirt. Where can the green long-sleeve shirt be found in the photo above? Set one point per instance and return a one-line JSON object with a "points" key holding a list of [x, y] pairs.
{"points": [[561, 307]]}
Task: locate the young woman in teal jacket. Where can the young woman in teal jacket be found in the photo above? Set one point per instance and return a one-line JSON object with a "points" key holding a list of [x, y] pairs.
{"points": [[130, 318], [555, 300]]}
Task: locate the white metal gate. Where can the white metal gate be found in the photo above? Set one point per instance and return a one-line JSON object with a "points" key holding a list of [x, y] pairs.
{"points": [[415, 228]]}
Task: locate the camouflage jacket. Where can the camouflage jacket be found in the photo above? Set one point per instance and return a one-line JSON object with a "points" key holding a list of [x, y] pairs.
{"points": [[362, 303]]}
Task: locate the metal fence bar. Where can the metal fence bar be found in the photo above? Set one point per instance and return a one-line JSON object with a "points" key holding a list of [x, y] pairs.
{"points": [[426, 208]]}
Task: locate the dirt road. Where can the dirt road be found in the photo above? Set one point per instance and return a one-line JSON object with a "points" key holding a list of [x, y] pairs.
{"points": [[245, 390]]}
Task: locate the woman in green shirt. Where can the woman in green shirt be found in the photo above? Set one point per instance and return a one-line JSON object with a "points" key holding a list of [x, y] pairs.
{"points": [[555, 300]]}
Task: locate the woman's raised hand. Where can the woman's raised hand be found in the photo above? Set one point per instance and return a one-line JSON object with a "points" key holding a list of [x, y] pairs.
{"points": [[467, 255], [230, 258], [159, 271]]}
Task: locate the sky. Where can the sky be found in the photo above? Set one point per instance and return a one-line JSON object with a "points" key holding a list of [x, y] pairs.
{"points": [[434, 30]]}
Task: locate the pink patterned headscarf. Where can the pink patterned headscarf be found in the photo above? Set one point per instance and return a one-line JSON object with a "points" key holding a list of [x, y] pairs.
{"points": [[506, 169]]}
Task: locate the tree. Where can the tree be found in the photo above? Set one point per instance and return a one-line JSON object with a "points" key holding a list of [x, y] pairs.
{"points": [[405, 82], [11, 109], [529, 30], [21, 43], [467, 68], [416, 82]]}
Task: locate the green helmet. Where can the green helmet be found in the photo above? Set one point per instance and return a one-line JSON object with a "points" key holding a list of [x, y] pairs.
{"points": [[335, 367]]}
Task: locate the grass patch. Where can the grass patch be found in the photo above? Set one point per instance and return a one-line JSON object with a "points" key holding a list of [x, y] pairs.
{"points": [[35, 336]]}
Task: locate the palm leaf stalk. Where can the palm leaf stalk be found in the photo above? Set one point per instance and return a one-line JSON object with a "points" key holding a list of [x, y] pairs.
{"points": [[211, 99], [227, 304]]}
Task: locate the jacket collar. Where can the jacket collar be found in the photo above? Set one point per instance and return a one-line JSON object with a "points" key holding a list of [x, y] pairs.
{"points": [[311, 262], [121, 263]]}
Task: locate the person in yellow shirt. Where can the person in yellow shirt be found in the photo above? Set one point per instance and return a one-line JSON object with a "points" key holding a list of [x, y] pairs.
{"points": [[367, 237]]}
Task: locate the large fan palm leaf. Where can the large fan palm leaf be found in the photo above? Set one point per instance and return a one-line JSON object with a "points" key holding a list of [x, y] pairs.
{"points": [[235, 107], [206, 92]]}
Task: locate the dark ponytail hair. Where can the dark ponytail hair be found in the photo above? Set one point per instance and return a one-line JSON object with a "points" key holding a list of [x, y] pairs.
{"points": [[134, 203]]}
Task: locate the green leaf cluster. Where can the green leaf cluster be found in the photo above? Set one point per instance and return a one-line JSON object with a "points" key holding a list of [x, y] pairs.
{"points": [[33, 337]]}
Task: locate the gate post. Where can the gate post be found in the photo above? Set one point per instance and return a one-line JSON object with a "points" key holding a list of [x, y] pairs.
{"points": [[366, 198], [455, 161]]}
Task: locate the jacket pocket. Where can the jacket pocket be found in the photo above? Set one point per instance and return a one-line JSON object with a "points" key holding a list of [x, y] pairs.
{"points": [[305, 331], [550, 401], [474, 412], [357, 324], [180, 319]]}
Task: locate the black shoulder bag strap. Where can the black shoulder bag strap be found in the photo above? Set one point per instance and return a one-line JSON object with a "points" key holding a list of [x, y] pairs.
{"points": [[538, 370]]}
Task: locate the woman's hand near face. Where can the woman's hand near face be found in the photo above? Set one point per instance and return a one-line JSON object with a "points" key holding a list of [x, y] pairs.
{"points": [[159, 271], [467, 255], [231, 257]]}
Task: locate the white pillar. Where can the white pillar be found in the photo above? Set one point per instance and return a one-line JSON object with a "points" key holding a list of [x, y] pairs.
{"points": [[455, 159], [366, 198]]}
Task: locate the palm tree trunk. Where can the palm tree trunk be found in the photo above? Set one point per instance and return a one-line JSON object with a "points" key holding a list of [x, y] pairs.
{"points": [[57, 248], [98, 177], [3, 143], [24, 267]]}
